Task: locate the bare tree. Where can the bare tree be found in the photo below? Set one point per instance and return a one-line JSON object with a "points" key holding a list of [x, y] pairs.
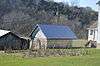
{"points": [[75, 2]]}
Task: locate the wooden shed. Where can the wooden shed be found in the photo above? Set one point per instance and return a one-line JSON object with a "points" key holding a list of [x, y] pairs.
{"points": [[9, 40], [49, 36]]}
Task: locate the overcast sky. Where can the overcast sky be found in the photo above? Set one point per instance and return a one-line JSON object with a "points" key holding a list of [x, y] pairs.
{"points": [[84, 3]]}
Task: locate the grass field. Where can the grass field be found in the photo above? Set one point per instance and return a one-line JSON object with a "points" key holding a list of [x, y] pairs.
{"points": [[89, 60]]}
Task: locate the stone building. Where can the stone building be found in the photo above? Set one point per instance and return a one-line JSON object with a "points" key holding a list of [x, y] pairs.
{"points": [[46, 36]]}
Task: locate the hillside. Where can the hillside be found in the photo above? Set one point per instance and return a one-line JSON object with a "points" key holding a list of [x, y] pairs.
{"points": [[20, 16]]}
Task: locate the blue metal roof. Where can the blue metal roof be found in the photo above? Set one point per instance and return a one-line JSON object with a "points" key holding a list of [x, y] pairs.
{"points": [[57, 32]]}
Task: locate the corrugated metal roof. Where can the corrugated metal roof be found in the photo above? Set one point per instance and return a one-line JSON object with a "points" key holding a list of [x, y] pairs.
{"points": [[3, 32], [57, 32]]}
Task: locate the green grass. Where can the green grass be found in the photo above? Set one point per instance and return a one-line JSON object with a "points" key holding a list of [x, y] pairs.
{"points": [[89, 60]]}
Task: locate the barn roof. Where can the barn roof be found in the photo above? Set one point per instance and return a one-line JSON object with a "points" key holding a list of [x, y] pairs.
{"points": [[3, 32], [57, 32]]}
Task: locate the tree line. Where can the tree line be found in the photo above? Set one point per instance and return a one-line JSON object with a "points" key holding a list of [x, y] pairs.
{"points": [[46, 12]]}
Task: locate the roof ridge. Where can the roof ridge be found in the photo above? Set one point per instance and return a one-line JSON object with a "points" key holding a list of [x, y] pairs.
{"points": [[3, 32], [52, 24], [59, 31]]}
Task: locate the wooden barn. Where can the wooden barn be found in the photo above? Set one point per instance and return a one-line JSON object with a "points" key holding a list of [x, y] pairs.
{"points": [[9, 40], [49, 36]]}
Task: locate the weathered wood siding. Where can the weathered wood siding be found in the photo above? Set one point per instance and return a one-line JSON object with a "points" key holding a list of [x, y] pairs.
{"points": [[59, 43], [11, 41]]}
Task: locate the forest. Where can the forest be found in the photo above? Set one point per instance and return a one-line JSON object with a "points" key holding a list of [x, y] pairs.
{"points": [[20, 16]]}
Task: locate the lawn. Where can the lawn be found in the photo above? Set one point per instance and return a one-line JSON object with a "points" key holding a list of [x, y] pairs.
{"points": [[89, 60]]}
